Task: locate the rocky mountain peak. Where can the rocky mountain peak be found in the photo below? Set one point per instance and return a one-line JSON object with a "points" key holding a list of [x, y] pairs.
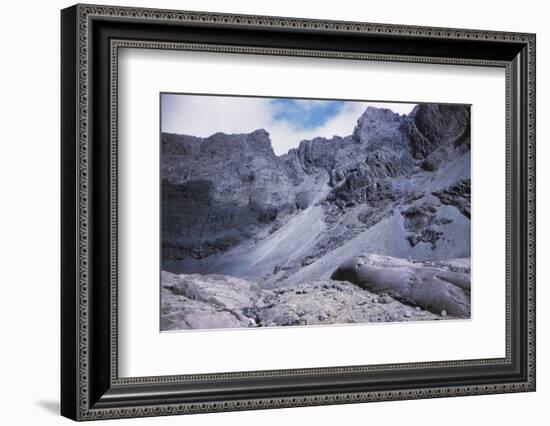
{"points": [[260, 140], [430, 127], [441, 122], [321, 152], [257, 142], [378, 126], [374, 115]]}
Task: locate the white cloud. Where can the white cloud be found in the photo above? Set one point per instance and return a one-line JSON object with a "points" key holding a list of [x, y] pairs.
{"points": [[205, 115]]}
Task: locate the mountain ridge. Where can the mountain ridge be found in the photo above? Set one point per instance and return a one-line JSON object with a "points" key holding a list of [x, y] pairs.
{"points": [[227, 197]]}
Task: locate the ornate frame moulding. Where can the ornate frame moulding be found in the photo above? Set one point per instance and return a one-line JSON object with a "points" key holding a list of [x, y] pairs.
{"points": [[91, 39]]}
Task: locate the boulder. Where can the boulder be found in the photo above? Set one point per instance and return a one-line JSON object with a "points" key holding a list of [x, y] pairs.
{"points": [[436, 288]]}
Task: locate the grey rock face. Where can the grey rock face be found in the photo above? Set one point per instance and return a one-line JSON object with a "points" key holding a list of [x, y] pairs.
{"points": [[424, 223], [435, 288], [217, 301], [380, 127], [430, 126], [219, 191], [318, 153], [333, 302], [205, 301], [457, 195]]}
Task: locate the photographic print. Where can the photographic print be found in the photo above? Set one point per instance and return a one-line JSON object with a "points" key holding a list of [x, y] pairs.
{"points": [[302, 212]]}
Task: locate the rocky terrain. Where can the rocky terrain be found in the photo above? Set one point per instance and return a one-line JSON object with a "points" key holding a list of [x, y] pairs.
{"points": [[259, 229], [218, 301]]}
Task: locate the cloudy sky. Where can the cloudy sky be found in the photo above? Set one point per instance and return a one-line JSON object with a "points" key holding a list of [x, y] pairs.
{"points": [[288, 121]]}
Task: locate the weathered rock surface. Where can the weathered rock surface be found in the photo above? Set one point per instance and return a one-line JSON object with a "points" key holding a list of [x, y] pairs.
{"points": [[219, 191], [457, 195], [437, 288], [430, 127], [425, 223], [205, 301], [217, 301], [332, 302]]}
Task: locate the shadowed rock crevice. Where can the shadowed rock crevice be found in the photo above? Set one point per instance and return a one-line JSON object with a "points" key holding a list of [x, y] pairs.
{"points": [[457, 195]]}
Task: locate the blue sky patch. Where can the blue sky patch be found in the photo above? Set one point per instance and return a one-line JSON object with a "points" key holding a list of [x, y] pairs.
{"points": [[305, 114]]}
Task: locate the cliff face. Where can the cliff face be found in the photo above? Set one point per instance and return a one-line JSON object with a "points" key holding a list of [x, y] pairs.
{"points": [[219, 191], [397, 186]]}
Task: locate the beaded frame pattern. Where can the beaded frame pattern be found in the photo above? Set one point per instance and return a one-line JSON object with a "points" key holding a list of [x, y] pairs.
{"points": [[86, 12]]}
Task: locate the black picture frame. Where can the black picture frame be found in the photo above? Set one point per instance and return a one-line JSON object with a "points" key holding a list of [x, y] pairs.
{"points": [[90, 386]]}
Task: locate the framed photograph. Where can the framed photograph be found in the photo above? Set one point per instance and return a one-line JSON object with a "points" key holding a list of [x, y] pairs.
{"points": [[263, 212]]}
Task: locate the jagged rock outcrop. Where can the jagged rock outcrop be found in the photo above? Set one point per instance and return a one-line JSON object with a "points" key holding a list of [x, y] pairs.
{"points": [[315, 154], [457, 195], [424, 223], [429, 127], [219, 191], [380, 128], [438, 288]]}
